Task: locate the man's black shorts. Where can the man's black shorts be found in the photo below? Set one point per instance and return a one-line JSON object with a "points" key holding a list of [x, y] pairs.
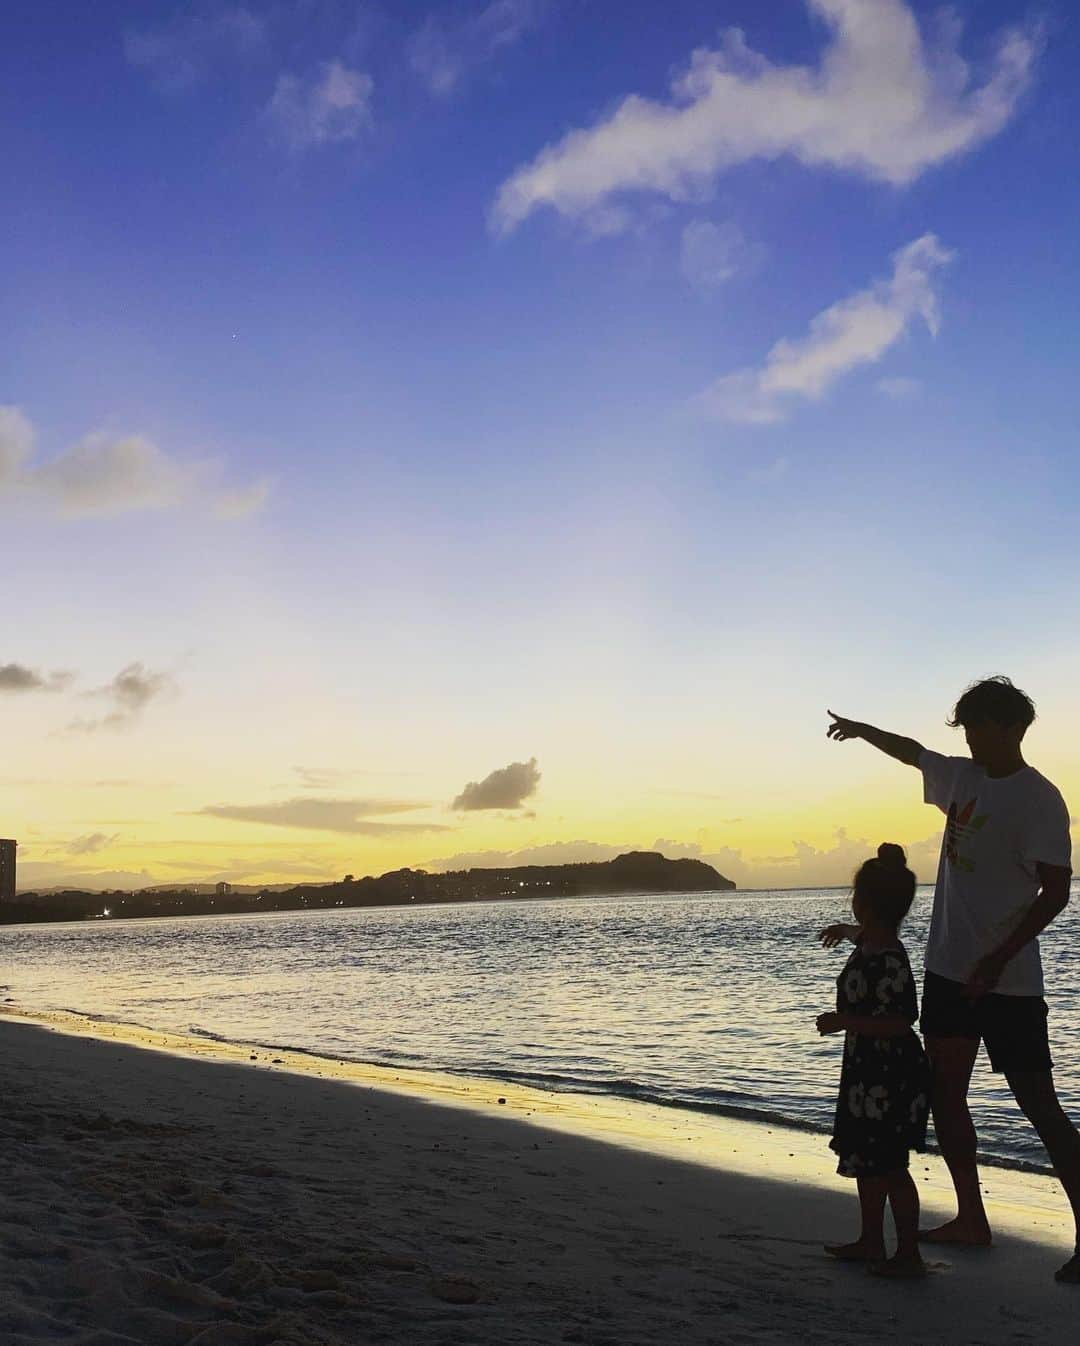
{"points": [[1012, 1026]]}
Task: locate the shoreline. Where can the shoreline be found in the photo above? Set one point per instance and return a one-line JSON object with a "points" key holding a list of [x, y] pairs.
{"points": [[377, 1074], [641, 1124], [170, 1191]]}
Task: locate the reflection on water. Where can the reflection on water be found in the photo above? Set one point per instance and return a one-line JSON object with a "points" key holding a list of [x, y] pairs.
{"points": [[707, 1000]]}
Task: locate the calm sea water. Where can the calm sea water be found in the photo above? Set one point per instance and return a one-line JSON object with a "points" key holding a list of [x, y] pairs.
{"points": [[703, 1000]]}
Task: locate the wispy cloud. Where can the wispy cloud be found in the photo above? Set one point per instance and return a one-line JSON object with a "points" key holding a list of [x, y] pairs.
{"points": [[241, 870], [91, 843], [506, 788], [883, 103], [19, 678], [323, 777], [104, 475], [16, 443], [238, 502], [712, 254], [130, 692], [445, 50], [180, 54], [853, 332], [899, 388], [548, 853], [40, 874], [359, 817], [336, 777], [326, 108]]}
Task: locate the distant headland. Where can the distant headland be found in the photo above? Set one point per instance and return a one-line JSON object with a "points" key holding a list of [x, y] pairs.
{"points": [[635, 872]]}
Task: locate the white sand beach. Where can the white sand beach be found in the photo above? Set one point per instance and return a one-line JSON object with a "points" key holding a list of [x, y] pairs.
{"points": [[173, 1192]]}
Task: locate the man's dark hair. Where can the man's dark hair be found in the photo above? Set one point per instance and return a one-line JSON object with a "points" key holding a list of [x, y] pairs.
{"points": [[994, 700]]}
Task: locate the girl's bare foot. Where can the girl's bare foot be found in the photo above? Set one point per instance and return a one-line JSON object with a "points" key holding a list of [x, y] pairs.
{"points": [[860, 1251], [964, 1234], [908, 1268]]}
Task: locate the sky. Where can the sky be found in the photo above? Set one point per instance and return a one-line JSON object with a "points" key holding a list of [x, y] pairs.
{"points": [[491, 431]]}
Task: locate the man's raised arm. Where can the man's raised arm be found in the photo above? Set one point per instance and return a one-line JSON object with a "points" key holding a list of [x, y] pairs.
{"points": [[905, 750]]}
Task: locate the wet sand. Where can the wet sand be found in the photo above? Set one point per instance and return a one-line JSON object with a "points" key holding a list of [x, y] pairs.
{"points": [[169, 1191]]}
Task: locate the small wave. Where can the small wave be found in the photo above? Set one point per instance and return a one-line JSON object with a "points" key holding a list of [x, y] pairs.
{"points": [[197, 1032], [98, 1018], [638, 1092]]}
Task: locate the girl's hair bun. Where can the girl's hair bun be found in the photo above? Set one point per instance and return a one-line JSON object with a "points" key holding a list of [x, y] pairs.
{"points": [[886, 885], [889, 853]]}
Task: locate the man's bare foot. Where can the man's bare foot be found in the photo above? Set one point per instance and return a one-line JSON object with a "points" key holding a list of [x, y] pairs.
{"points": [[1069, 1274], [962, 1235], [859, 1251], [909, 1268]]}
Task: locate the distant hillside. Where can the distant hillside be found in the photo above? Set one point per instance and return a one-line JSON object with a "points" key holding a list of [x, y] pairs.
{"points": [[635, 872]]}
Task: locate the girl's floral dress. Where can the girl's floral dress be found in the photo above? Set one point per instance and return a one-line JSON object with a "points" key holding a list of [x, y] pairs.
{"points": [[885, 1082]]}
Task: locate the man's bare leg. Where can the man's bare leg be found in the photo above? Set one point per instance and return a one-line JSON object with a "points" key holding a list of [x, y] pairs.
{"points": [[1034, 1091], [953, 1060]]}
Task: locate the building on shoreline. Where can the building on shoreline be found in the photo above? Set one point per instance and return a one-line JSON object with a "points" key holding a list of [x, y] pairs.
{"points": [[7, 869]]}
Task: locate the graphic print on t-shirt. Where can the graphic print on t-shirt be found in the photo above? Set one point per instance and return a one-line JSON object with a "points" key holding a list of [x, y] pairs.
{"points": [[959, 826], [998, 831]]}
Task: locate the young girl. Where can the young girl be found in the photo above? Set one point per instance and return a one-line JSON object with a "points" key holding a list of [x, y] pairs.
{"points": [[884, 1082]]}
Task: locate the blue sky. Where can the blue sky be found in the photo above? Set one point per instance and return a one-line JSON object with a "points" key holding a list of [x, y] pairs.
{"points": [[412, 390]]}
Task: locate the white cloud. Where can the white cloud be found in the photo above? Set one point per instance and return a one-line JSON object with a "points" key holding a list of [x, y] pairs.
{"points": [[181, 53], [677, 850], [444, 51], [883, 103], [855, 331], [328, 108], [506, 788], [807, 866], [105, 475], [711, 254]]}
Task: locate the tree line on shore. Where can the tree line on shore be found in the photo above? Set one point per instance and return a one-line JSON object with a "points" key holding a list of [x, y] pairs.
{"points": [[637, 871]]}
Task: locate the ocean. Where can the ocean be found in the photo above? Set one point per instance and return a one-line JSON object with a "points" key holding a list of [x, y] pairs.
{"points": [[701, 1001]]}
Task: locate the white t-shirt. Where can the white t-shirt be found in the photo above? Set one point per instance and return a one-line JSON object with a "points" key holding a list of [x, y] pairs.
{"points": [[997, 830]]}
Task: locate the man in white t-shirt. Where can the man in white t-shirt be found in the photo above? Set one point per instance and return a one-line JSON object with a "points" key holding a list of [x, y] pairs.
{"points": [[1006, 862]]}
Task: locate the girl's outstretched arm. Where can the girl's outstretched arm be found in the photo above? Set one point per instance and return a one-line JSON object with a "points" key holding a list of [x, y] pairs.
{"points": [[833, 935]]}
